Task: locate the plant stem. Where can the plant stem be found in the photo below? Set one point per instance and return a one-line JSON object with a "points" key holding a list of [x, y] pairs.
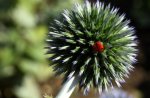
{"points": [[68, 87]]}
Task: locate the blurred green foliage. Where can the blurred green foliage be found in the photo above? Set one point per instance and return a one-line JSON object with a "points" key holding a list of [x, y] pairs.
{"points": [[23, 29]]}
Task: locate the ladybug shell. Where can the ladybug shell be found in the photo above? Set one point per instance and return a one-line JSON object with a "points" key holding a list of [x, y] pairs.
{"points": [[98, 47]]}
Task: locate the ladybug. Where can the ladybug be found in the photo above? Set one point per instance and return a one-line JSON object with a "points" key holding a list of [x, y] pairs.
{"points": [[98, 47]]}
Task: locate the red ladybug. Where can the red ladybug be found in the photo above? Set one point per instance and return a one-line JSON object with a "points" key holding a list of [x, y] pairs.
{"points": [[98, 47]]}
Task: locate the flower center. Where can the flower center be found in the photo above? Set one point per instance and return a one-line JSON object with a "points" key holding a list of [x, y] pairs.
{"points": [[98, 47]]}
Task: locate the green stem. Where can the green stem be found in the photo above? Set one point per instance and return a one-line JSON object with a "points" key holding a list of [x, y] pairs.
{"points": [[68, 87]]}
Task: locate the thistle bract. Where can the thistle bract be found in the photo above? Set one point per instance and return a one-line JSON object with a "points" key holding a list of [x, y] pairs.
{"points": [[94, 42]]}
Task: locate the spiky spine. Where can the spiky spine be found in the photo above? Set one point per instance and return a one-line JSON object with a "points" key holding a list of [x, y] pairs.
{"points": [[71, 40]]}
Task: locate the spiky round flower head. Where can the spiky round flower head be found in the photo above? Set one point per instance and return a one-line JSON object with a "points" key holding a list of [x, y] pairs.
{"points": [[94, 42]]}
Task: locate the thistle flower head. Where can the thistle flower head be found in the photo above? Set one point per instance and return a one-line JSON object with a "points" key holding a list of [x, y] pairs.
{"points": [[94, 42]]}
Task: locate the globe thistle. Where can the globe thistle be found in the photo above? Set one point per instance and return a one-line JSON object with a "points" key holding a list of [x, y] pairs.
{"points": [[94, 42]]}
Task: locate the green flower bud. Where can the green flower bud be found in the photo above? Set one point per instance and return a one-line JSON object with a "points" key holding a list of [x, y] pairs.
{"points": [[94, 42]]}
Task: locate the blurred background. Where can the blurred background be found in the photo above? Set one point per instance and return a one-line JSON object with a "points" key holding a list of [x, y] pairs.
{"points": [[24, 70]]}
